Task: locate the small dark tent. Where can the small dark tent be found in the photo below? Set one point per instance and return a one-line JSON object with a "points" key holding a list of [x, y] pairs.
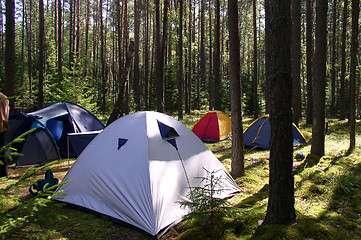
{"points": [[39, 146], [63, 118], [258, 134]]}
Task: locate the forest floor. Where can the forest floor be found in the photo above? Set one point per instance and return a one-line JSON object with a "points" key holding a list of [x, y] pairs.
{"points": [[327, 199]]}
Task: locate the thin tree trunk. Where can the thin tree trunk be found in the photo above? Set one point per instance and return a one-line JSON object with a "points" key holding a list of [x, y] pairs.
{"points": [[41, 53], [343, 62], [296, 55], [136, 83], [60, 41], [180, 62], [319, 83], [333, 61], [123, 88], [309, 64], [210, 81], [146, 59], [255, 67], [353, 63], [237, 165], [267, 54], [9, 83], [216, 59]]}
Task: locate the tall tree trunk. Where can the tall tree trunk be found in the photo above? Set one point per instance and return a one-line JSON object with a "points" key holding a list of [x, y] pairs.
{"points": [[343, 62], [267, 54], [163, 52], [295, 58], [9, 83], [102, 57], [309, 57], [210, 81], [60, 42], [319, 83], [116, 113], [216, 60], [333, 61], [255, 67], [87, 22], [280, 209], [41, 53], [353, 52], [136, 83], [180, 62], [188, 84], [158, 59], [146, 59], [202, 50], [30, 48], [237, 164]]}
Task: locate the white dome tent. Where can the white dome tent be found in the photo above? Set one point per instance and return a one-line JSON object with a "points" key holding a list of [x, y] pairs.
{"points": [[139, 169]]}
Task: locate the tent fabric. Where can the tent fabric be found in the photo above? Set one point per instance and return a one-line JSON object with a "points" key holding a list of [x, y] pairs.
{"points": [[132, 172], [257, 134], [213, 127], [38, 148], [62, 118], [78, 141]]}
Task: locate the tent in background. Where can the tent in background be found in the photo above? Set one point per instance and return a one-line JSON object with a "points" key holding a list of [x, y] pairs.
{"points": [[213, 127], [39, 146], [62, 118], [139, 169], [257, 134]]}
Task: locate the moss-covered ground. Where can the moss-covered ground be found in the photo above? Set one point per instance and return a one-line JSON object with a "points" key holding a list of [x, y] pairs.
{"points": [[327, 199]]}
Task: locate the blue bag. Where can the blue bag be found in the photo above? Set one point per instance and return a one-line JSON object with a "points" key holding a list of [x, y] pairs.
{"points": [[40, 184]]}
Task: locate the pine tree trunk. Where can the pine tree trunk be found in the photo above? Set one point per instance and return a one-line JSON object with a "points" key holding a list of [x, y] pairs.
{"points": [[255, 67], [295, 58], [353, 63], [343, 62], [333, 61], [136, 81], [280, 209], [216, 59], [180, 62], [237, 165], [41, 53], [309, 57], [9, 83], [319, 83]]}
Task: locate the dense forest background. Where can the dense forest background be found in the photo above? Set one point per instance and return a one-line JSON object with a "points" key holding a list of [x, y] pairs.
{"points": [[78, 50]]}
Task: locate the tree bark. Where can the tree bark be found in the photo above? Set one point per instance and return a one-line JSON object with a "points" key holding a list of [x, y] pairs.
{"points": [[333, 61], [123, 88], [295, 58], [237, 164], [280, 209], [180, 62], [41, 53], [353, 52], [309, 57], [9, 83], [136, 84], [343, 62], [255, 67], [319, 83], [216, 60]]}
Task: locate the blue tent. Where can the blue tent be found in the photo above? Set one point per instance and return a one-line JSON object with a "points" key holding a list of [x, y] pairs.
{"points": [[39, 146], [64, 118], [257, 134]]}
